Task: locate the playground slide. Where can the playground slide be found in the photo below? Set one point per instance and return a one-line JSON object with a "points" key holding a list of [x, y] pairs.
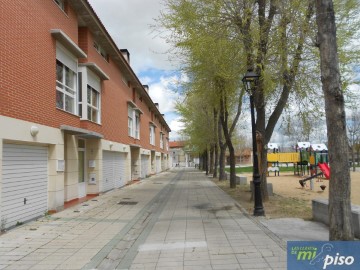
{"points": [[325, 169]]}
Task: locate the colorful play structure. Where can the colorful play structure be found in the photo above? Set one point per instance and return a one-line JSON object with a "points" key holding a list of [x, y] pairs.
{"points": [[310, 159]]}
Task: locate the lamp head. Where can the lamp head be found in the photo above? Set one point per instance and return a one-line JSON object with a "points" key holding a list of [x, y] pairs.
{"points": [[250, 81]]}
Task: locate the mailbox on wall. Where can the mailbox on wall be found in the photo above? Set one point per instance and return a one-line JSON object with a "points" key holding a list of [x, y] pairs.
{"points": [[60, 165], [91, 163]]}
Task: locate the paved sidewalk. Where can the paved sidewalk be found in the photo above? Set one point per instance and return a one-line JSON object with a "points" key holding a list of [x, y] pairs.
{"points": [[176, 220]]}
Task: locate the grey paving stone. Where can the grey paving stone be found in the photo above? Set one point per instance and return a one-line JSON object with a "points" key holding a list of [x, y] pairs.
{"points": [[187, 222]]}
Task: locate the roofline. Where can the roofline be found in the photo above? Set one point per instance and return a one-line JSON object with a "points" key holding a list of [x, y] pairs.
{"points": [[82, 6]]}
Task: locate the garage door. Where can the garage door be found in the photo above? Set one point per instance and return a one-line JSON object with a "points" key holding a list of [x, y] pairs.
{"points": [[24, 183], [158, 165], [144, 166], [113, 170]]}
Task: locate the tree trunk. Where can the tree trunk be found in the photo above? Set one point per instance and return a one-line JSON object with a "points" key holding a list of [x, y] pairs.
{"points": [[216, 161], [202, 162], [224, 117], [232, 165], [207, 161], [224, 123], [216, 143], [211, 159], [222, 157], [340, 189], [353, 157]]}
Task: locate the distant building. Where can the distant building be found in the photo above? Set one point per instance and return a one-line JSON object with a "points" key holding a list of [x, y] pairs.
{"points": [[242, 157], [181, 155]]}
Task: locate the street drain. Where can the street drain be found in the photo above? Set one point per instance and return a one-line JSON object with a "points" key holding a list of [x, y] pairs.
{"points": [[127, 203]]}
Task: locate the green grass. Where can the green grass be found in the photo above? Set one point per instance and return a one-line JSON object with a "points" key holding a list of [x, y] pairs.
{"points": [[249, 169]]}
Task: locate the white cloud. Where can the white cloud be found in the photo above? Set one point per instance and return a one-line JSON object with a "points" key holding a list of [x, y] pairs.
{"points": [[146, 80], [176, 126], [129, 24], [161, 93]]}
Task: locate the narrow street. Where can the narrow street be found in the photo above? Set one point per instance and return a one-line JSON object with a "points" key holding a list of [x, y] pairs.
{"points": [[176, 220]]}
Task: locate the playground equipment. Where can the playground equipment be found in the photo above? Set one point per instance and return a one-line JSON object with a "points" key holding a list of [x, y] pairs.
{"points": [[302, 165], [305, 159], [325, 170]]}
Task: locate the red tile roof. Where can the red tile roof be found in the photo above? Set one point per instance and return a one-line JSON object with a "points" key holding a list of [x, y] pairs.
{"points": [[177, 144]]}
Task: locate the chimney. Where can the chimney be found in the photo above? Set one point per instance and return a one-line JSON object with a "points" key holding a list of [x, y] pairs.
{"points": [[157, 105], [126, 54], [146, 87]]}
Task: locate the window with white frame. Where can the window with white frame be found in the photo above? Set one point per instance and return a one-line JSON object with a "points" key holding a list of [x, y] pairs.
{"points": [[89, 97], [93, 104], [137, 125], [161, 140], [152, 135], [133, 121], [130, 121], [65, 87], [80, 94]]}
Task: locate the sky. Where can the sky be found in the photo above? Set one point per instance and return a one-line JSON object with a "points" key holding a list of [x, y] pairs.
{"points": [[130, 25]]}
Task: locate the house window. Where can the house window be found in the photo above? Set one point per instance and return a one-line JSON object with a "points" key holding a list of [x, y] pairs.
{"points": [[93, 101], [60, 3], [101, 51], [125, 81], [137, 126], [161, 140], [65, 88], [130, 121], [89, 97], [152, 135], [80, 94]]}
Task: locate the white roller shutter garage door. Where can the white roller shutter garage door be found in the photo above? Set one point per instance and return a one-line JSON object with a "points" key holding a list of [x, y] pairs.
{"points": [[24, 194], [113, 170]]}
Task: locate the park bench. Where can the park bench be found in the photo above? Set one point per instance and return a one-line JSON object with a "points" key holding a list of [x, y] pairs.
{"points": [[273, 169]]}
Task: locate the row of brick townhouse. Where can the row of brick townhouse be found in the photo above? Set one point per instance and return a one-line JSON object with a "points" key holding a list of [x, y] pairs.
{"points": [[74, 118]]}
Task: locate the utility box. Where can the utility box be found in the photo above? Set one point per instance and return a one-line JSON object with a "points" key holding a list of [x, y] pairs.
{"points": [[92, 179]]}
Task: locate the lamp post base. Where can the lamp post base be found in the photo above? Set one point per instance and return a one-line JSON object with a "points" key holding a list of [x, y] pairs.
{"points": [[259, 212], [258, 205]]}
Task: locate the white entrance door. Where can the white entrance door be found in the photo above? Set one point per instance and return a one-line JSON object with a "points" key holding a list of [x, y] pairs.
{"points": [[24, 194], [158, 165], [81, 168]]}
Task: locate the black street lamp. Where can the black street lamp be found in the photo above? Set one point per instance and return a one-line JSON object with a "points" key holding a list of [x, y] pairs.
{"points": [[250, 82]]}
